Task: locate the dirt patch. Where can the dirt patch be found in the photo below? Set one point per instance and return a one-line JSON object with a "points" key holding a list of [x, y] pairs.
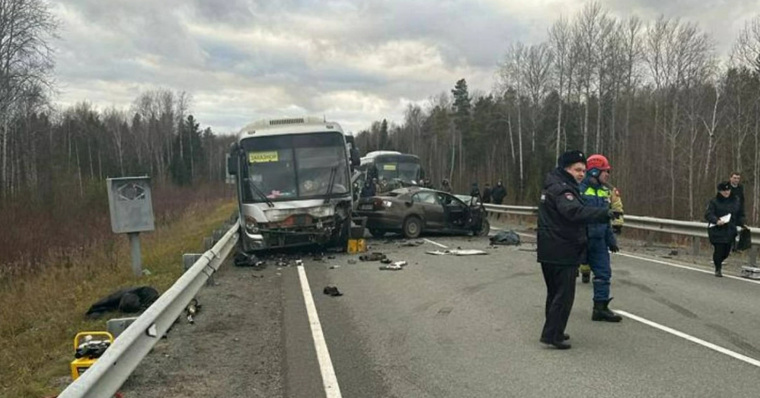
{"points": [[233, 350]]}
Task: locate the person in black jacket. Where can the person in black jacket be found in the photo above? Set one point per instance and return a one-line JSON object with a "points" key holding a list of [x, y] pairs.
{"points": [[562, 219], [487, 193], [498, 193], [737, 189], [724, 213]]}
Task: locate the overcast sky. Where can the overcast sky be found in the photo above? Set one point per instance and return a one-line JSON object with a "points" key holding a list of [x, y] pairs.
{"points": [[352, 61]]}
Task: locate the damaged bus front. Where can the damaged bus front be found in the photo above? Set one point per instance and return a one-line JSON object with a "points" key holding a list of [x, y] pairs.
{"points": [[292, 178]]}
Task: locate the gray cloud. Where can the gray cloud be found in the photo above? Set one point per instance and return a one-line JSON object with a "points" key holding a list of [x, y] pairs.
{"points": [[354, 61]]}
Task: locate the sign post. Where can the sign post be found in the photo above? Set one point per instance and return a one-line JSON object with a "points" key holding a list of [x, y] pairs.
{"points": [[131, 206]]}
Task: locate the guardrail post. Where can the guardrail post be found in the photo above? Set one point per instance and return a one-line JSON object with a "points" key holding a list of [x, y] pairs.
{"points": [[753, 256], [695, 243], [650, 238]]}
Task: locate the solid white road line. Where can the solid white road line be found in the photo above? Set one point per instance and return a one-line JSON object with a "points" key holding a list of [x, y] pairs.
{"points": [[685, 267], [330, 382], [436, 243], [652, 260], [693, 339]]}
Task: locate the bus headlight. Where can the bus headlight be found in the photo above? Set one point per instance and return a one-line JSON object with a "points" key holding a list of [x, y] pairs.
{"points": [[250, 225], [387, 203]]}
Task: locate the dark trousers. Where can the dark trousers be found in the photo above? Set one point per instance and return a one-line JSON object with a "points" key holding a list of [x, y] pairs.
{"points": [[560, 294], [720, 253]]}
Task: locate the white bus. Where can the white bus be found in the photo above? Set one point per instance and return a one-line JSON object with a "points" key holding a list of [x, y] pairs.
{"points": [[293, 183]]}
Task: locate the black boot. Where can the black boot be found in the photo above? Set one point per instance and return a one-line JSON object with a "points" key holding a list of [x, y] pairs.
{"points": [[717, 271], [602, 312]]}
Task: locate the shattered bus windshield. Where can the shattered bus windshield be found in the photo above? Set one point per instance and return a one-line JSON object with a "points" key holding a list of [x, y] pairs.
{"points": [[292, 167]]}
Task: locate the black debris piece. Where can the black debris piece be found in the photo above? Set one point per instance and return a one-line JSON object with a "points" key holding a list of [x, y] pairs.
{"points": [[332, 291], [509, 238], [128, 300]]}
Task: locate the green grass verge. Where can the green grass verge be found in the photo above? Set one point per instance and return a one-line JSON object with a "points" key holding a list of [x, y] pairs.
{"points": [[42, 311]]}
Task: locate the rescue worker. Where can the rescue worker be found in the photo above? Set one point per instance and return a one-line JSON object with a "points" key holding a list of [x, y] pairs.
{"points": [[562, 219], [724, 213], [601, 240], [487, 193], [498, 193], [616, 204]]}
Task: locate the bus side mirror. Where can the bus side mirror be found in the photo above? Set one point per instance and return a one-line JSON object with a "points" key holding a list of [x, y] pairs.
{"points": [[232, 160]]}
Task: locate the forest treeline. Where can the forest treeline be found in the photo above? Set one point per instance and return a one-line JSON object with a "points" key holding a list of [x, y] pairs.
{"points": [[54, 160], [672, 115]]}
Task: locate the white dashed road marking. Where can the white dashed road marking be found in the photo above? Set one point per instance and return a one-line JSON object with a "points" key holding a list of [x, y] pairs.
{"points": [[436, 243]]}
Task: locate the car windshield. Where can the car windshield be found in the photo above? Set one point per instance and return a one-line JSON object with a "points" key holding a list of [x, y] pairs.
{"points": [[299, 166]]}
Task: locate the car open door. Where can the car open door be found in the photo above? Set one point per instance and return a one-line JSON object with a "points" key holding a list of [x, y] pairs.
{"points": [[455, 211], [431, 207]]}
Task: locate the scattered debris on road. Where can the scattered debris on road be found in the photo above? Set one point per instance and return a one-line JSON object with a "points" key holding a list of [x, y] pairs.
{"points": [[411, 243], [374, 256], [508, 238], [750, 272], [191, 310], [332, 291], [334, 266], [458, 252]]}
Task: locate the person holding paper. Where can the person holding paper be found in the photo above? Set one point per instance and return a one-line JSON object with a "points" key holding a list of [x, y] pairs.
{"points": [[724, 214]]}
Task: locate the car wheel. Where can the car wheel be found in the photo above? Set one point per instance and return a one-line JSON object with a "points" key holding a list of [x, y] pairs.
{"points": [[485, 228], [412, 227], [377, 233]]}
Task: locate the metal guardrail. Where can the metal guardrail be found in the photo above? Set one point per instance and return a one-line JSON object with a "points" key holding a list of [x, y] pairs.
{"points": [[110, 371], [677, 227]]}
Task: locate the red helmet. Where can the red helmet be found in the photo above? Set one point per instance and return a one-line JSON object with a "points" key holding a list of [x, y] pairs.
{"points": [[598, 162]]}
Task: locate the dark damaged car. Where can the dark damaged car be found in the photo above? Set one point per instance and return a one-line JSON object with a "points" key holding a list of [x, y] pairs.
{"points": [[414, 210]]}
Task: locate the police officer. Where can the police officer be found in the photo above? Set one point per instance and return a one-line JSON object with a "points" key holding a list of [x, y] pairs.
{"points": [[601, 240], [562, 219]]}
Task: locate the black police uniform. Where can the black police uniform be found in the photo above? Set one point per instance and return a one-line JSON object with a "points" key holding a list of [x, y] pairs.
{"points": [[562, 219]]}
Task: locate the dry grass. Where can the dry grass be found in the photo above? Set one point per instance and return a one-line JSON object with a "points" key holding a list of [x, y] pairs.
{"points": [[42, 311]]}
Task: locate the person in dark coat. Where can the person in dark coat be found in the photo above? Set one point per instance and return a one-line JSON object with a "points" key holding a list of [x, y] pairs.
{"points": [[724, 214], [562, 219], [737, 189], [475, 191], [487, 193], [445, 185], [368, 190], [498, 193]]}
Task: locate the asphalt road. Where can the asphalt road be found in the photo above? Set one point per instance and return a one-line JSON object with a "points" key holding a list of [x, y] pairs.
{"points": [[448, 326]]}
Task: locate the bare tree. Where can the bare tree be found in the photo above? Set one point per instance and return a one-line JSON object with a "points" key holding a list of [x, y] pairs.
{"points": [[560, 39], [511, 75], [538, 62], [26, 60]]}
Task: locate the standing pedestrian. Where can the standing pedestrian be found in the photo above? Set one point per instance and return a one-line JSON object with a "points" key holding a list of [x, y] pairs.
{"points": [[445, 185], [498, 193], [475, 191], [562, 219], [487, 193], [737, 189], [723, 213], [601, 240]]}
